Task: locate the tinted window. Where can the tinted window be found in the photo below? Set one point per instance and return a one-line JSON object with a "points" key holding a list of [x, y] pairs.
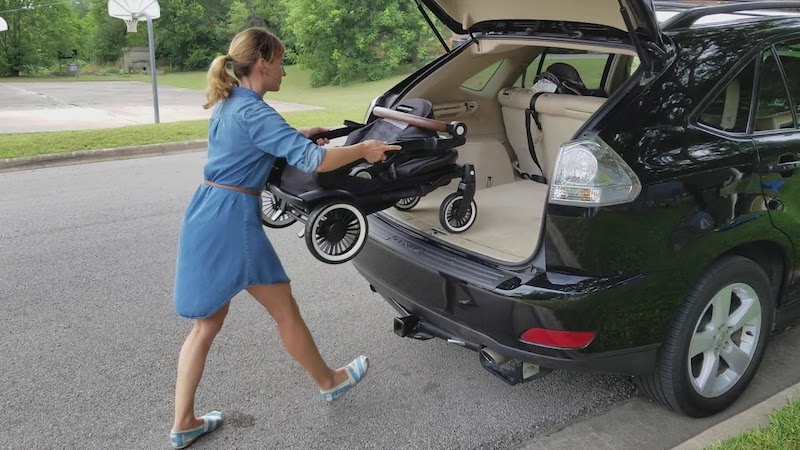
{"points": [[789, 54], [730, 109], [590, 66], [774, 109], [479, 81]]}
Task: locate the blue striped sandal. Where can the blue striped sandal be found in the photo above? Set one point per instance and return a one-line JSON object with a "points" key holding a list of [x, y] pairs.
{"points": [[182, 439], [355, 373]]}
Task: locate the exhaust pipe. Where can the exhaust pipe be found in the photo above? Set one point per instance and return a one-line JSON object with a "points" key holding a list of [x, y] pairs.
{"points": [[493, 357], [512, 371]]}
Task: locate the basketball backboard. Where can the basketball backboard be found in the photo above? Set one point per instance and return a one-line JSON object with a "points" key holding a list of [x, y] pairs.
{"points": [[133, 11], [3, 24]]}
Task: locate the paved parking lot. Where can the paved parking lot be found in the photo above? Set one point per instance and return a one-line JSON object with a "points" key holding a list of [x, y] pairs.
{"points": [[80, 105]]}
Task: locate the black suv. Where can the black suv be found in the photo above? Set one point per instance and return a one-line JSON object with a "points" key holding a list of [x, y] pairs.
{"points": [[637, 180]]}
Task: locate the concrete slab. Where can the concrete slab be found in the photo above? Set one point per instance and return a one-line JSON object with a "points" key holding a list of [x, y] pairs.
{"points": [[60, 106]]}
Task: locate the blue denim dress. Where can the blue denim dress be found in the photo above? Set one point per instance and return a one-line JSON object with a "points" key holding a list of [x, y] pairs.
{"points": [[222, 247]]}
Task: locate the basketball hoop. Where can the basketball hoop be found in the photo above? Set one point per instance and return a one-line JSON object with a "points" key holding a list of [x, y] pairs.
{"points": [[131, 24], [132, 12]]}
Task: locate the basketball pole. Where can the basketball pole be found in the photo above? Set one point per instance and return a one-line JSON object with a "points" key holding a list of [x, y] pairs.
{"points": [[150, 40]]}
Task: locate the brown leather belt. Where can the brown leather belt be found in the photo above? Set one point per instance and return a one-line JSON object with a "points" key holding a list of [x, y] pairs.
{"points": [[233, 188]]}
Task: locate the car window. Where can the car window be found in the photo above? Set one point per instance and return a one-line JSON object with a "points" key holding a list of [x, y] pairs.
{"points": [[590, 66], [479, 81], [730, 109], [789, 54], [774, 111], [635, 64]]}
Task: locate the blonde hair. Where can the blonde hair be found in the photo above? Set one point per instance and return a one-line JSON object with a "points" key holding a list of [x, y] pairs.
{"points": [[246, 48]]}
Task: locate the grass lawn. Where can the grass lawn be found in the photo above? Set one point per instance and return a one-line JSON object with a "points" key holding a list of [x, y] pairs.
{"points": [[30, 144], [341, 102], [783, 433]]}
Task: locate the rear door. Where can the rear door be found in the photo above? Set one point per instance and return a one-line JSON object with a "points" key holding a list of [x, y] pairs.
{"points": [[636, 16], [777, 138]]}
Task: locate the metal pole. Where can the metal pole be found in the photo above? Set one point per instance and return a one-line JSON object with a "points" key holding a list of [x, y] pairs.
{"points": [[152, 64]]}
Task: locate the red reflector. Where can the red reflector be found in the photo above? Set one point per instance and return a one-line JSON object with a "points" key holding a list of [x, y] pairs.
{"points": [[558, 339]]}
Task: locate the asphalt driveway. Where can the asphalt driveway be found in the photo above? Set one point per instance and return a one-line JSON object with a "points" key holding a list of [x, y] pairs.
{"points": [[89, 340]]}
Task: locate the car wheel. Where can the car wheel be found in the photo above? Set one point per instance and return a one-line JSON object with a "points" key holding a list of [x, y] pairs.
{"points": [[716, 340]]}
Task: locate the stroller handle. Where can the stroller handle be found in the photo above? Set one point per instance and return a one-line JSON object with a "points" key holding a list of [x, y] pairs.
{"points": [[456, 129]]}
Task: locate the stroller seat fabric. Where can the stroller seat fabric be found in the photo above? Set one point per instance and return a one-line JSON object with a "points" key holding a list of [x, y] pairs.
{"points": [[362, 177]]}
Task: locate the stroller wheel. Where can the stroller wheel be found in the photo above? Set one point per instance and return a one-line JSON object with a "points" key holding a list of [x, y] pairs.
{"points": [[336, 232], [448, 214], [405, 204], [272, 211]]}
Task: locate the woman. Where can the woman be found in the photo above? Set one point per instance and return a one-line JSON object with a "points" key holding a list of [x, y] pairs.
{"points": [[222, 248]]}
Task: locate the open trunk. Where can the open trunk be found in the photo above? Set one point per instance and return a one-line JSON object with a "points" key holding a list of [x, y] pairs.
{"points": [[484, 87]]}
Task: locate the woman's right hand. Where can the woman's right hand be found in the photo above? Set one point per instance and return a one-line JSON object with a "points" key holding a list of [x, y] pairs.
{"points": [[374, 151]]}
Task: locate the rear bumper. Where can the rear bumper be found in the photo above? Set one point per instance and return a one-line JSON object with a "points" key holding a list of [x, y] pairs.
{"points": [[640, 360], [474, 312]]}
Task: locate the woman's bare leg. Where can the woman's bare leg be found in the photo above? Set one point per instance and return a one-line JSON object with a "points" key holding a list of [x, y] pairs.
{"points": [[281, 305], [191, 362]]}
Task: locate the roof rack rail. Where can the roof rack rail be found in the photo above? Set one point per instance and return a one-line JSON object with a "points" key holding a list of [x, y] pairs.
{"points": [[690, 16]]}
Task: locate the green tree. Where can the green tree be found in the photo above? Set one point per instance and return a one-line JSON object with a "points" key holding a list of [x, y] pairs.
{"points": [[346, 40], [36, 34], [192, 32], [109, 34], [269, 14]]}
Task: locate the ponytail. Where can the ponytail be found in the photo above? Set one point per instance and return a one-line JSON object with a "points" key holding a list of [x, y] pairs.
{"points": [[220, 81], [245, 51]]}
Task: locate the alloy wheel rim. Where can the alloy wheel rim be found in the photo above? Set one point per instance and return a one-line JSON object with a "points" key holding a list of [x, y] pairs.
{"points": [[724, 340]]}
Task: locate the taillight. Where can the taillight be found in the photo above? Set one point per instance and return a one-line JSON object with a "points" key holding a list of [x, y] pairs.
{"points": [[589, 173], [568, 340]]}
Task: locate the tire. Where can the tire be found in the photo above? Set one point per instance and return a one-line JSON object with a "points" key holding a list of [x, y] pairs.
{"points": [[406, 204], [692, 384], [448, 210], [336, 232], [269, 206]]}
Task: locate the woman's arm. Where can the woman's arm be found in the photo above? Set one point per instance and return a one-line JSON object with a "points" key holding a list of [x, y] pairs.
{"points": [[270, 133]]}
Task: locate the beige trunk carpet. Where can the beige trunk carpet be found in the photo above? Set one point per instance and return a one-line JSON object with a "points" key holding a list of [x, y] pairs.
{"points": [[508, 223]]}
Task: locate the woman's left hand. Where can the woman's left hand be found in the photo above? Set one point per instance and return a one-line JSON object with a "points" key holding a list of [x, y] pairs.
{"points": [[308, 132]]}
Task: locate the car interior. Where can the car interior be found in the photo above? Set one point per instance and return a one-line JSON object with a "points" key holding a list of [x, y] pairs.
{"points": [[489, 88]]}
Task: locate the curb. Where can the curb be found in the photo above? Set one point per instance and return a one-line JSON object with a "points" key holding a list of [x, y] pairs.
{"points": [[747, 420], [97, 155]]}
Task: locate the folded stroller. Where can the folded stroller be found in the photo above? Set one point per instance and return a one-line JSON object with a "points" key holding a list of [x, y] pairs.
{"points": [[334, 205]]}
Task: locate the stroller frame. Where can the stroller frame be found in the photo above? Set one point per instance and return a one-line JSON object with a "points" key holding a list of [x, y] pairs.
{"points": [[335, 219]]}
